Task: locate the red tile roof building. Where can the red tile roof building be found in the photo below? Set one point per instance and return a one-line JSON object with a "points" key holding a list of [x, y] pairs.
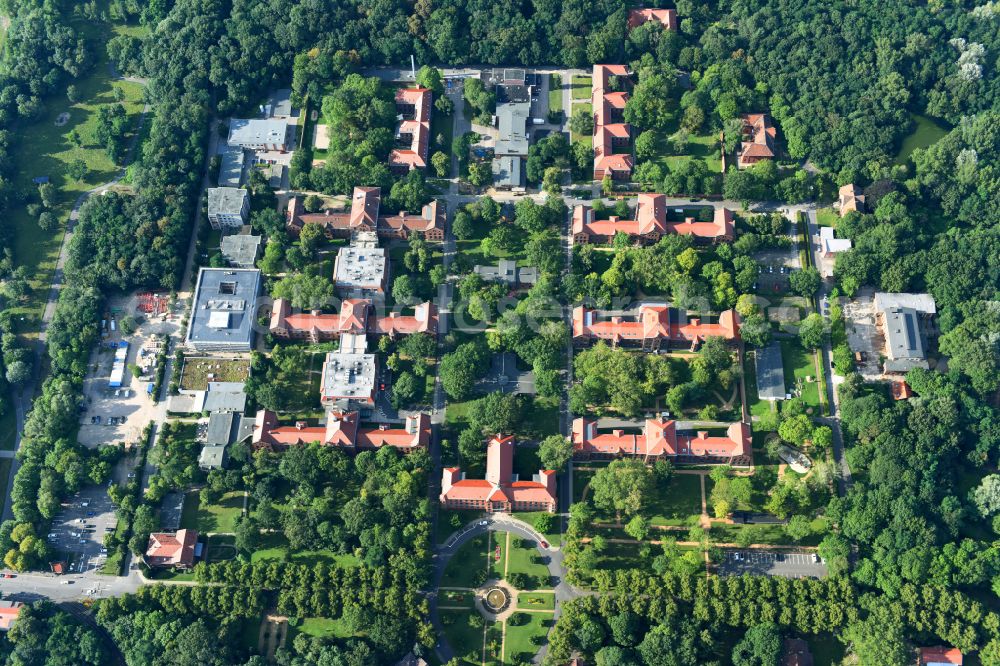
{"points": [[364, 216], [9, 611], [341, 430], [176, 549], [612, 135], [414, 131], [851, 199], [650, 223], [758, 140], [939, 656], [355, 317], [651, 326], [500, 491], [665, 17], [659, 439]]}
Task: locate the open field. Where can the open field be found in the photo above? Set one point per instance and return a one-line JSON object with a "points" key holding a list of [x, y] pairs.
{"points": [[522, 642], [678, 502], [275, 547], [464, 567], [581, 87], [198, 371], [320, 627], [555, 93], [800, 364], [700, 146], [827, 217], [519, 560], [218, 517], [44, 149]]}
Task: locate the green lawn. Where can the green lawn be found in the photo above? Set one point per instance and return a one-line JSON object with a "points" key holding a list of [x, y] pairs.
{"points": [[519, 560], [320, 627], [542, 417], [536, 600], [581, 87], [925, 134], [464, 567], [220, 548], [443, 125], [43, 149], [521, 643], [445, 526], [700, 146], [553, 536], [275, 547], [678, 502], [465, 640], [219, 517], [827, 217], [555, 93], [800, 364]]}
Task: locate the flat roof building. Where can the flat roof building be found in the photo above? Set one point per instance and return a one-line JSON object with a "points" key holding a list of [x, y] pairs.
{"points": [[770, 372], [508, 172], [231, 166], [228, 207], [829, 245], [508, 272], [361, 271], [241, 250], [348, 380], [224, 428], [259, 134], [222, 317], [512, 123]]}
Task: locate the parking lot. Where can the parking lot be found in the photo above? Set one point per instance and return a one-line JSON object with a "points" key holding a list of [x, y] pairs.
{"points": [[79, 528], [767, 563], [115, 414]]}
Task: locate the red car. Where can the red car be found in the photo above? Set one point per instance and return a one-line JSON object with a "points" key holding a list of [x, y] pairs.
{"points": [[545, 544], [8, 575]]}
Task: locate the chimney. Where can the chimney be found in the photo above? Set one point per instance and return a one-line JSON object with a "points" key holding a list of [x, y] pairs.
{"points": [[300, 425]]}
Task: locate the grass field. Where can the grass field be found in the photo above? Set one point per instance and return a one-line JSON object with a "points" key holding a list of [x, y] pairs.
{"points": [[925, 134], [464, 566], [44, 149], [220, 517], [443, 125], [521, 643], [704, 147], [519, 560], [553, 536], [320, 627], [827, 217], [276, 547], [581, 87], [583, 138], [198, 371], [220, 548], [555, 93], [465, 640], [800, 364], [536, 600], [678, 502]]}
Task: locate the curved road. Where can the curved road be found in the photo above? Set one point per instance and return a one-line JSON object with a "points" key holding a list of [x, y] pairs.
{"points": [[496, 523]]}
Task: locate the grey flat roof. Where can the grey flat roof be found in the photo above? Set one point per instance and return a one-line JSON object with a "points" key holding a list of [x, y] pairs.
{"points": [[212, 457], [923, 303], [222, 428], [281, 103], [508, 272], [257, 131], [513, 123], [231, 168], [226, 200], [770, 372], [224, 303], [360, 267], [241, 249], [349, 376], [507, 171], [225, 401]]}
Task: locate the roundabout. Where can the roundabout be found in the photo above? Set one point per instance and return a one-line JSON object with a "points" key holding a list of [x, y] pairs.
{"points": [[497, 582]]}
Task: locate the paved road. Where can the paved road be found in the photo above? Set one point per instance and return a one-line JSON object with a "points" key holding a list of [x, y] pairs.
{"points": [[496, 523], [844, 478], [30, 587]]}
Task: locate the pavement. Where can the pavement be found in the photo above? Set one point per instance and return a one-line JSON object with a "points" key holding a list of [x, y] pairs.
{"points": [[766, 563]]}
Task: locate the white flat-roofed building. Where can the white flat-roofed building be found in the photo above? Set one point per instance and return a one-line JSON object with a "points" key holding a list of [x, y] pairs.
{"points": [[259, 134], [348, 380], [361, 271], [228, 207]]}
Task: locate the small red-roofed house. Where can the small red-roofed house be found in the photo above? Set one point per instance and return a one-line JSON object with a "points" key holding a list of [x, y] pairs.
{"points": [[177, 549], [851, 199], [501, 490], [758, 140], [9, 611], [665, 17], [939, 656]]}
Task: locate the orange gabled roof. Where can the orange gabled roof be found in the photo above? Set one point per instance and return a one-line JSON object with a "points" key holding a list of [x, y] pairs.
{"points": [[940, 655], [364, 206], [176, 548], [665, 17], [423, 320], [651, 322], [721, 227], [432, 216]]}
